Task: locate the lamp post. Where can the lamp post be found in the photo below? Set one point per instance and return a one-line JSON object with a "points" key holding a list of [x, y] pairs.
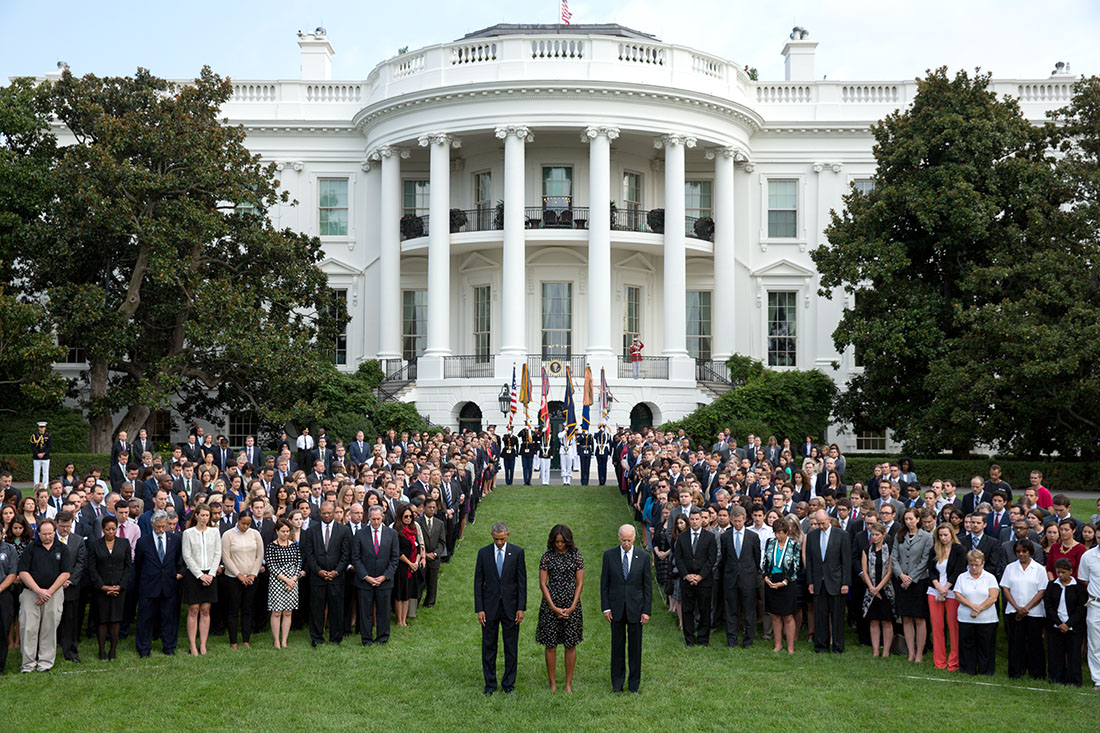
{"points": [[504, 399]]}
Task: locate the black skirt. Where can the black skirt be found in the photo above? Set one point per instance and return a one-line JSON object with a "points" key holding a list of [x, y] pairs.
{"points": [[195, 592], [780, 601], [912, 601], [108, 607]]}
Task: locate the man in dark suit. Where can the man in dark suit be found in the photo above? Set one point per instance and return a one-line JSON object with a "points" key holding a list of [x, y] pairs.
{"points": [[696, 553], [976, 538], [740, 551], [626, 597], [252, 452], [119, 446], [192, 451], [359, 451], [326, 551], [998, 519], [78, 581], [118, 470], [435, 545], [500, 598], [374, 555], [829, 570], [158, 565], [977, 495]]}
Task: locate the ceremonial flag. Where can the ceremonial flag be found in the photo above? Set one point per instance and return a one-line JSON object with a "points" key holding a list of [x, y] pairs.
{"points": [[544, 409], [512, 406], [566, 16], [586, 400], [525, 392], [605, 397], [570, 406]]}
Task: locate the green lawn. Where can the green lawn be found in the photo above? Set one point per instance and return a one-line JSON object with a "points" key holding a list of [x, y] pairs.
{"points": [[429, 676]]}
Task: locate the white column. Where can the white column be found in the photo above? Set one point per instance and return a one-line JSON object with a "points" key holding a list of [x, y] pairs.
{"points": [[389, 256], [723, 314], [513, 342], [675, 280], [599, 244], [367, 254], [439, 244]]}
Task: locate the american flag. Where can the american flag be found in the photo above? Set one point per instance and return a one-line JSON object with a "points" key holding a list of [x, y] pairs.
{"points": [[565, 14], [544, 409], [512, 406]]}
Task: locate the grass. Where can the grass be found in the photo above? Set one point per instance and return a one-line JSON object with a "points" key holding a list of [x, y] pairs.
{"points": [[429, 676]]}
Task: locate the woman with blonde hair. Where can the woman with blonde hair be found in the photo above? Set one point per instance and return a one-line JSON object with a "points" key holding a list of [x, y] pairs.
{"points": [[945, 563]]}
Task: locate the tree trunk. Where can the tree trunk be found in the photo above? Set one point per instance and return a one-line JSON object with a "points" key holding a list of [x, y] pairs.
{"points": [[100, 420], [132, 422]]}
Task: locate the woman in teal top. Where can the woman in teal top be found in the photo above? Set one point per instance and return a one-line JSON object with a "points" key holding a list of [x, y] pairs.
{"points": [[780, 562]]}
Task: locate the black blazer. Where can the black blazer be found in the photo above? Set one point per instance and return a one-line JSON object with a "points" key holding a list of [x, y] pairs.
{"points": [[500, 596], [1076, 595], [626, 599], [337, 557], [741, 572], [368, 563], [117, 476], [989, 547], [956, 563], [836, 570], [702, 561], [109, 567], [970, 501], [156, 577]]}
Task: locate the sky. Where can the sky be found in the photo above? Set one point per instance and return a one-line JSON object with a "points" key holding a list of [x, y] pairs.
{"points": [[245, 39]]}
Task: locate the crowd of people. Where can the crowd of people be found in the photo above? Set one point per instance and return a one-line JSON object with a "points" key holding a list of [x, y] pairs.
{"points": [[763, 540]]}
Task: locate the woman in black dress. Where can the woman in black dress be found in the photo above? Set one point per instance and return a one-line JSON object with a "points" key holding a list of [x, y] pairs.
{"points": [[878, 599], [781, 559], [561, 578], [405, 579], [109, 564]]}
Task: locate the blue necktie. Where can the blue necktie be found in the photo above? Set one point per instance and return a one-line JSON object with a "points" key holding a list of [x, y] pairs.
{"points": [[500, 562], [824, 544], [160, 546], [626, 565], [737, 544]]}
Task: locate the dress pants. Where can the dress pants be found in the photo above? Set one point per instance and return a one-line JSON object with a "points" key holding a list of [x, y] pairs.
{"points": [[1025, 646], [41, 471], [828, 616], [259, 620], [1065, 656], [977, 648], [129, 607], [740, 604], [1092, 625], [431, 583], [324, 593], [938, 611], [7, 615], [509, 469], [373, 601], [601, 469], [626, 642], [38, 630], [544, 471], [68, 631], [509, 630], [240, 604], [351, 601], [528, 462], [167, 610], [566, 469], [696, 599], [586, 469]]}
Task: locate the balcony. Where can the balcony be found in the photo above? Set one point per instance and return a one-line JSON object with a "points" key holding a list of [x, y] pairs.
{"points": [[576, 217], [650, 367], [478, 366], [555, 365]]}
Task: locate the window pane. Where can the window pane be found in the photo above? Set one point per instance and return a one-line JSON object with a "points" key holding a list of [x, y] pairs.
{"points": [[557, 320], [864, 185], [783, 224], [337, 307], [414, 323], [415, 198], [482, 303], [783, 209], [333, 207], [632, 316], [698, 324], [782, 328]]}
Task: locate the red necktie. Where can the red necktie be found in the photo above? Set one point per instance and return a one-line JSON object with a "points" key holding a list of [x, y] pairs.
{"points": [[376, 542]]}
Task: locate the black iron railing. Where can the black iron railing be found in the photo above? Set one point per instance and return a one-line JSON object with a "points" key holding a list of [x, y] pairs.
{"points": [[467, 366], [537, 217], [650, 367], [710, 370], [555, 365]]}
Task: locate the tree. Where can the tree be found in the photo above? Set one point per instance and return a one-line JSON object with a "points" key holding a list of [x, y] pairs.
{"points": [[960, 259], [27, 353], [160, 262]]}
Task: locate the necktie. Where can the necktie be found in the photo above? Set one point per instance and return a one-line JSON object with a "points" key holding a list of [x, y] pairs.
{"points": [[376, 542], [98, 512], [737, 544], [500, 561], [160, 546], [122, 530], [694, 536], [328, 531], [626, 565], [824, 544], [447, 494]]}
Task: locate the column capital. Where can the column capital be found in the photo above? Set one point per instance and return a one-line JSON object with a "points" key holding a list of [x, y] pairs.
{"points": [[523, 132], [594, 131], [439, 138], [292, 164], [388, 151], [727, 152], [367, 165], [749, 166], [671, 139], [835, 167]]}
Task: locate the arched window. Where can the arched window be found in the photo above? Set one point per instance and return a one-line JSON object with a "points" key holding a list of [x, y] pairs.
{"points": [[641, 416], [469, 418]]}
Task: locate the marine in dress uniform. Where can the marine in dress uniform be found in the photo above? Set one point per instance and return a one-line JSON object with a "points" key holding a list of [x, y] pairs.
{"points": [[586, 446], [509, 449], [528, 447], [546, 451], [40, 454], [602, 451]]}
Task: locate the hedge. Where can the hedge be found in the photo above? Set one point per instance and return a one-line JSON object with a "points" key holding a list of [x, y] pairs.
{"points": [[1057, 475], [23, 470], [67, 428]]}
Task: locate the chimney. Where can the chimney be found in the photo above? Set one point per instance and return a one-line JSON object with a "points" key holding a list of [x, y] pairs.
{"points": [[316, 55], [799, 55]]}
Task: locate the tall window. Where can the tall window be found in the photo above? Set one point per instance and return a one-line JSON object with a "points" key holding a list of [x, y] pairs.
{"points": [[337, 308], [783, 209], [557, 187], [631, 205], [632, 316], [782, 328], [333, 207], [241, 425], [698, 202], [76, 356], [864, 185], [159, 426], [557, 320], [415, 199], [698, 323], [483, 200], [414, 323], [482, 321]]}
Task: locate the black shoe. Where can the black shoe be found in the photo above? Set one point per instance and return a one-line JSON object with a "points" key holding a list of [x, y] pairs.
{"points": [[143, 656], [316, 643], [169, 652], [746, 645], [488, 693], [102, 655], [367, 642], [634, 692], [616, 691], [510, 692], [74, 659]]}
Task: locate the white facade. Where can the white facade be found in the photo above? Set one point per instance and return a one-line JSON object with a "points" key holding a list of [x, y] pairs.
{"points": [[488, 118]]}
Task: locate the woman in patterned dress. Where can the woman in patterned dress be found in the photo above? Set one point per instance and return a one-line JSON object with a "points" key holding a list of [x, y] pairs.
{"points": [[561, 579], [283, 560]]}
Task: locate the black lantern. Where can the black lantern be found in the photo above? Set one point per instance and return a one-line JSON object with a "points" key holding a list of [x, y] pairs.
{"points": [[505, 399]]}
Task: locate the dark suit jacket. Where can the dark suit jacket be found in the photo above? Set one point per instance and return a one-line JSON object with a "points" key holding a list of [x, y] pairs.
{"points": [[368, 563], [970, 501], [116, 448], [79, 574], [741, 572], [626, 599], [1076, 595], [156, 577], [337, 557], [996, 531], [109, 567], [989, 548], [500, 596], [137, 448], [359, 455], [836, 570], [702, 561], [117, 476], [257, 459], [192, 453]]}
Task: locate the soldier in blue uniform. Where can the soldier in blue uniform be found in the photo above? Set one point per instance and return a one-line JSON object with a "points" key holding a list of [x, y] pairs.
{"points": [[509, 449], [602, 450], [585, 448], [528, 447]]}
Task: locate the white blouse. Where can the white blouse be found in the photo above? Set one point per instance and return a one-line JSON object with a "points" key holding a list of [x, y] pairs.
{"points": [[1024, 584], [941, 568], [976, 590], [202, 550]]}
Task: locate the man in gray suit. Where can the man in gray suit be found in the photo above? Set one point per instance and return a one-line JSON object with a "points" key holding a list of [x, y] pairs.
{"points": [[374, 554], [740, 551], [435, 545], [829, 567], [626, 597]]}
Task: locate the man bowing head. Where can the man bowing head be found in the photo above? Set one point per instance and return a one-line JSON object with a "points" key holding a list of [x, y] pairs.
{"points": [[626, 597], [500, 598]]}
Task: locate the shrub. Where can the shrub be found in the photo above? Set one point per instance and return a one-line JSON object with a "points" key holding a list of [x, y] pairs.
{"points": [[22, 469], [704, 228], [656, 220], [67, 428], [458, 220], [411, 226]]}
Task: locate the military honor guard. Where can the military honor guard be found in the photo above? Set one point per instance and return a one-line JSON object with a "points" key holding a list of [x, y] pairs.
{"points": [[528, 448], [509, 449], [586, 446]]}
